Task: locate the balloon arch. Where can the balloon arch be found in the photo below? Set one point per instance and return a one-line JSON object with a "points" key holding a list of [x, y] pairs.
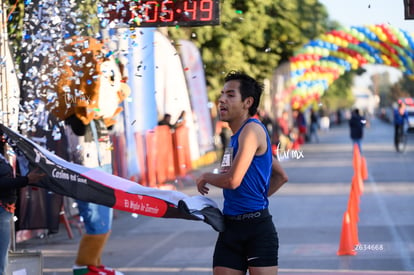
{"points": [[321, 61]]}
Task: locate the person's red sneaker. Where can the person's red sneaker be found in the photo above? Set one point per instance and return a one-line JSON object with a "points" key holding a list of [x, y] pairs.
{"points": [[95, 270]]}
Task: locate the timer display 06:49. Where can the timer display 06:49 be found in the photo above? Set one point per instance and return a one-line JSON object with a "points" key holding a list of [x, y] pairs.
{"points": [[158, 13]]}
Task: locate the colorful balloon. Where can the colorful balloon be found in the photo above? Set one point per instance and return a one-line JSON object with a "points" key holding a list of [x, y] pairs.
{"points": [[321, 61]]}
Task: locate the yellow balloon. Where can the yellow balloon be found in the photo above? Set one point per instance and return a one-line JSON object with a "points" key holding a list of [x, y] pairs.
{"points": [[295, 105], [382, 37], [377, 31], [385, 59], [354, 65], [372, 29], [349, 59], [299, 65], [330, 38], [337, 41]]}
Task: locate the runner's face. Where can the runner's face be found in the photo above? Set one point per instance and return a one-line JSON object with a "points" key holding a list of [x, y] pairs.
{"points": [[230, 104]]}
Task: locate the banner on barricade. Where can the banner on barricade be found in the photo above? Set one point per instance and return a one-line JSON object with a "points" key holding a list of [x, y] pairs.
{"points": [[92, 185]]}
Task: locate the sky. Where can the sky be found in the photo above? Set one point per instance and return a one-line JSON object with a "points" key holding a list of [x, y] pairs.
{"points": [[369, 12]]}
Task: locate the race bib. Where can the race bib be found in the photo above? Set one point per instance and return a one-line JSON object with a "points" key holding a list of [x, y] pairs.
{"points": [[227, 160]]}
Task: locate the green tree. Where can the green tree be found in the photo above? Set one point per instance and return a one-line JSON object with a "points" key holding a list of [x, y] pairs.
{"points": [[339, 94], [403, 88], [381, 85], [87, 22], [15, 11]]}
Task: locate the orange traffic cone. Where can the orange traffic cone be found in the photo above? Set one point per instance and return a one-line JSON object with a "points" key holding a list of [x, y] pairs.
{"points": [[360, 182], [346, 244], [353, 203], [357, 185], [353, 211], [364, 171], [357, 163]]}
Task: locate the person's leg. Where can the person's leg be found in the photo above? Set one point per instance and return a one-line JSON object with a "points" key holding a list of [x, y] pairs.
{"points": [[400, 131], [90, 249], [359, 142], [221, 270], [5, 231], [98, 221], [396, 135], [263, 270], [97, 218], [229, 255], [263, 249], [316, 133]]}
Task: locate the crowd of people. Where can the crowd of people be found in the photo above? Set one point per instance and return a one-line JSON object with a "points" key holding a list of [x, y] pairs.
{"points": [[291, 129]]}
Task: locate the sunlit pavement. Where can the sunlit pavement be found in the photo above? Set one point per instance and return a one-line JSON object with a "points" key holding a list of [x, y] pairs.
{"points": [[307, 211]]}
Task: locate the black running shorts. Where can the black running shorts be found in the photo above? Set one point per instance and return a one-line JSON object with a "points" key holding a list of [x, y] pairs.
{"points": [[248, 240]]}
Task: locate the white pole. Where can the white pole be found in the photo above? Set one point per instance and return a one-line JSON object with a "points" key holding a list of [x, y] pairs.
{"points": [[3, 63], [6, 109]]}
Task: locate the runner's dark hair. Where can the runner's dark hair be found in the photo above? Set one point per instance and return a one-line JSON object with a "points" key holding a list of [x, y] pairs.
{"points": [[249, 87]]}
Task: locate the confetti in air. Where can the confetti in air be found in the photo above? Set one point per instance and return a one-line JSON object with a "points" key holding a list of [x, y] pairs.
{"points": [[47, 31]]}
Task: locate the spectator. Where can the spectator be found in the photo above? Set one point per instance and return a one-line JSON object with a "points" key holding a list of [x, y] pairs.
{"points": [[224, 132], [284, 135], [314, 126], [166, 120], [356, 125], [9, 186], [299, 123], [400, 118], [267, 121]]}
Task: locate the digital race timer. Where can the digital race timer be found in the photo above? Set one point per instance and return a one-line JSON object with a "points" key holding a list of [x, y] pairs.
{"points": [[159, 13]]}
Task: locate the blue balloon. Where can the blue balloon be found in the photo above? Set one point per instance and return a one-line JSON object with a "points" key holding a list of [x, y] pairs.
{"points": [[297, 72], [331, 46], [409, 39], [369, 34], [378, 59], [408, 53], [371, 50], [403, 60]]}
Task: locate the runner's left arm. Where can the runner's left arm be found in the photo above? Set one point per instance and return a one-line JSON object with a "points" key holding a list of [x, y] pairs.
{"points": [[277, 178]]}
